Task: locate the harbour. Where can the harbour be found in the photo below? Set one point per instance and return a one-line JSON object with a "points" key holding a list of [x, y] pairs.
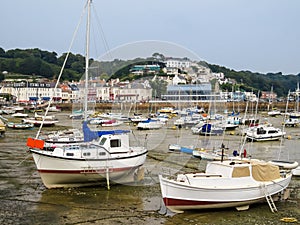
{"points": [[25, 200], [90, 162]]}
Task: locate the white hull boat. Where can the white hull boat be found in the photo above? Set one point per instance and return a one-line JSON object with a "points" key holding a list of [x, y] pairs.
{"points": [[19, 115], [137, 119], [274, 113], [284, 164], [224, 184], [291, 122], [40, 117], [111, 123], [264, 133], [296, 171], [103, 156], [54, 109], [90, 163], [174, 147], [38, 121], [150, 125], [20, 125]]}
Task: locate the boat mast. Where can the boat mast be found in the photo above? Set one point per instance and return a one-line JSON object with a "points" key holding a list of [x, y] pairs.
{"points": [[87, 59]]}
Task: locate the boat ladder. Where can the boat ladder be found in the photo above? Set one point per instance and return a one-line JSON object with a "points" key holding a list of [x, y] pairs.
{"points": [[269, 199]]}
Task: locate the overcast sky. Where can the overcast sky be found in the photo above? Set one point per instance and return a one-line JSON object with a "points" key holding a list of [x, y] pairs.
{"points": [[257, 35]]}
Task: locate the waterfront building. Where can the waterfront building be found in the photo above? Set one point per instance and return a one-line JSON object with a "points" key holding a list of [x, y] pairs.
{"points": [[25, 90], [190, 92]]}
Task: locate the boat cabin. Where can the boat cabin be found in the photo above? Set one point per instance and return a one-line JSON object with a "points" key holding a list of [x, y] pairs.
{"points": [[115, 143], [259, 171]]}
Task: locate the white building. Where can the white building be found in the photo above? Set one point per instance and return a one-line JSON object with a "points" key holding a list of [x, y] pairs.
{"points": [[180, 63], [134, 92], [31, 91], [177, 79]]}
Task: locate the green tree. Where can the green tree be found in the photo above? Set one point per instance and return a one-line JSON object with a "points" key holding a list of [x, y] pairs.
{"points": [[159, 88]]}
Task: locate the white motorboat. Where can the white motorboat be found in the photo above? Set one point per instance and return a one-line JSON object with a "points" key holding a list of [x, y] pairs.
{"points": [[291, 122], [228, 126], [8, 110], [19, 125], [137, 118], [224, 184], [97, 121], [295, 114], [110, 158], [38, 121], [40, 117], [19, 115], [150, 124], [264, 132], [274, 112], [174, 147], [111, 123], [54, 109]]}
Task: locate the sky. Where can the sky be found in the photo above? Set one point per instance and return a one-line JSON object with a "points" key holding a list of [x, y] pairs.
{"points": [[258, 35]]}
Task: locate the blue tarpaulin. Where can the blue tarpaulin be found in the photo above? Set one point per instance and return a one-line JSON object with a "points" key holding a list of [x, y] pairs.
{"points": [[90, 135]]}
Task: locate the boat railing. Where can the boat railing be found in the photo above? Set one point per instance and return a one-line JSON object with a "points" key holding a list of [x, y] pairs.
{"points": [[207, 175]]}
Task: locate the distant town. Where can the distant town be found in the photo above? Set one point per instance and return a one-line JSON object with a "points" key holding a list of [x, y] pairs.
{"points": [[183, 80]]}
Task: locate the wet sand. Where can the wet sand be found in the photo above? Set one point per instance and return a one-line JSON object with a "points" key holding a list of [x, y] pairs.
{"points": [[24, 199]]}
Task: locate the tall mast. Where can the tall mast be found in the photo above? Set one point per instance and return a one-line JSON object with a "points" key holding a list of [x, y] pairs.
{"points": [[87, 59]]}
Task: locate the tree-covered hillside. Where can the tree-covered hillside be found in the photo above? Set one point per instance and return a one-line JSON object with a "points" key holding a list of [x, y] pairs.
{"points": [[39, 63], [260, 82]]}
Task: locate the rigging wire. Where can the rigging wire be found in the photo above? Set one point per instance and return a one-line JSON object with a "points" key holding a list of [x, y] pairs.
{"points": [[62, 69], [283, 126]]}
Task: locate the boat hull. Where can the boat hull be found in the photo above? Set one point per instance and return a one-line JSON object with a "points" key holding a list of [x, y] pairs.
{"points": [[263, 138], [58, 172], [217, 193], [20, 125], [39, 122], [296, 171]]}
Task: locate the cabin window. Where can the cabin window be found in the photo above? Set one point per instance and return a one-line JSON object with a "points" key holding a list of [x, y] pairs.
{"points": [[272, 131], [102, 153], [72, 148], [102, 141], [115, 143], [70, 154], [86, 154], [261, 131]]}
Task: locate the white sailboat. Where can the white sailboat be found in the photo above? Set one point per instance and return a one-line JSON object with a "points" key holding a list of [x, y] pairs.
{"points": [[103, 156]]}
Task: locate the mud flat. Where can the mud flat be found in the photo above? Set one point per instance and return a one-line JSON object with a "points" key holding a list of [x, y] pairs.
{"points": [[24, 199]]}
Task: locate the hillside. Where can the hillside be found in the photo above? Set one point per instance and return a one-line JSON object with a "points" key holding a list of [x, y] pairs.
{"points": [[39, 63]]}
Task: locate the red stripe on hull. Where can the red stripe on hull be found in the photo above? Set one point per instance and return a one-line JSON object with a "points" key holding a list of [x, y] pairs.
{"points": [[180, 202]]}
